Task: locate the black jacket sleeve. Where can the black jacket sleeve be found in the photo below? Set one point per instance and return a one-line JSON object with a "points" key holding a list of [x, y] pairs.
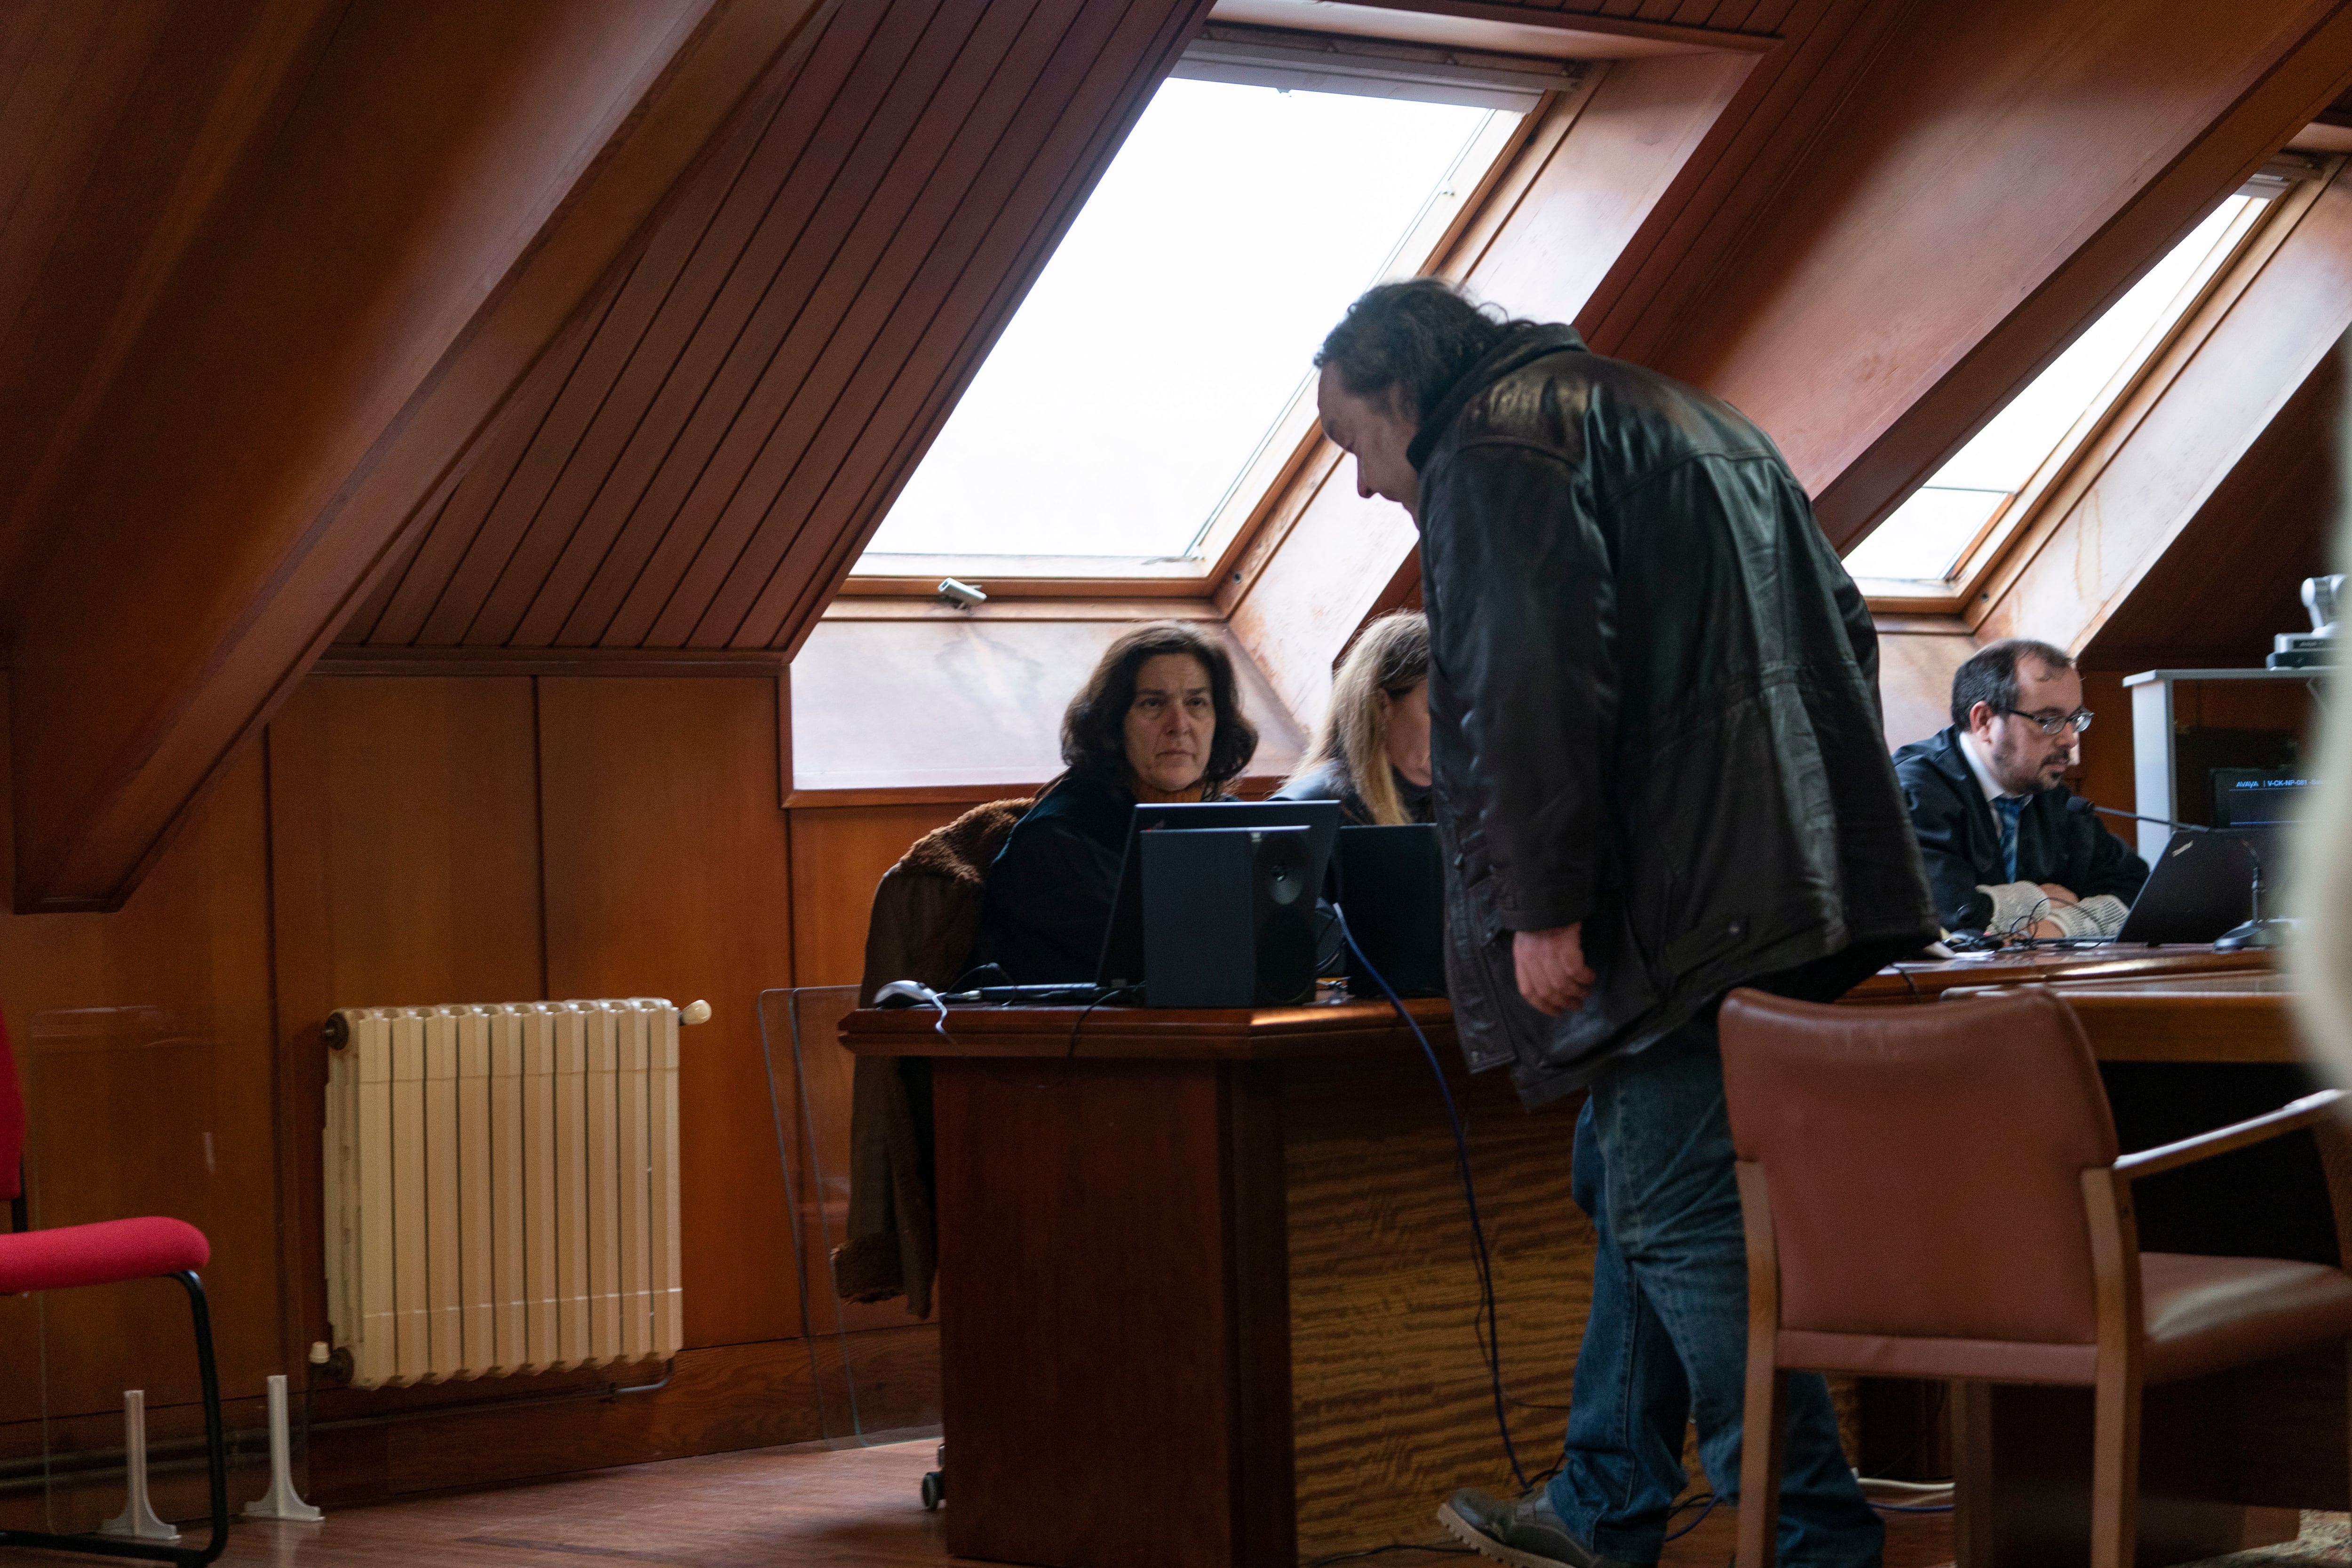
{"points": [[2101, 862], [1532, 665], [1939, 818]]}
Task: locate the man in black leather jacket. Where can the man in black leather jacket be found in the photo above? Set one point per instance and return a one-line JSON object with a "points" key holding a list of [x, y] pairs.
{"points": [[1660, 773]]}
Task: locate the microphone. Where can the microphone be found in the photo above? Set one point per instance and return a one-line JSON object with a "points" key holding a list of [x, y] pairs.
{"points": [[2256, 931]]}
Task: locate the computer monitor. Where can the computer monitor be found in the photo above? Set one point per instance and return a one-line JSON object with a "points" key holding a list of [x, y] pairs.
{"points": [[1122, 953], [2257, 797]]}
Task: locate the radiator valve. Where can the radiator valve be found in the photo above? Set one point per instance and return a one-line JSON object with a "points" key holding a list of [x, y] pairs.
{"points": [[693, 1013]]}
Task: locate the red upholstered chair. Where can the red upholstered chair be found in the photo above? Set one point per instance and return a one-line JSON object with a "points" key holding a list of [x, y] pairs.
{"points": [[1934, 1192], [108, 1253]]}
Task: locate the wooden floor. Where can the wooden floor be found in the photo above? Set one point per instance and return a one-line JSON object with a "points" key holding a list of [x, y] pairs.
{"points": [[852, 1508], [856, 1507]]}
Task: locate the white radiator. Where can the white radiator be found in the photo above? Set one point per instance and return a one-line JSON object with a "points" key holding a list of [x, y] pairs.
{"points": [[501, 1188]]}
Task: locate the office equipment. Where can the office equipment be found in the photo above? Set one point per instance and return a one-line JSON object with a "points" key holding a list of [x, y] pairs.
{"points": [[1393, 884], [2199, 887], [1227, 917], [1122, 959], [2257, 797], [2316, 647], [501, 1188], [2187, 723]]}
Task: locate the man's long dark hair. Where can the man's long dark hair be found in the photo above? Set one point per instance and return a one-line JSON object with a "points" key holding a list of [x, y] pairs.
{"points": [[1420, 335], [1094, 726]]}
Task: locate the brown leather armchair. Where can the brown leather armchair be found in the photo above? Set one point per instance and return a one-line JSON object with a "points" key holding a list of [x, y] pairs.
{"points": [[1934, 1193]]}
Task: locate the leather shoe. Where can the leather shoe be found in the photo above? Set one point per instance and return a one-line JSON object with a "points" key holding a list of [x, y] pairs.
{"points": [[1525, 1534]]}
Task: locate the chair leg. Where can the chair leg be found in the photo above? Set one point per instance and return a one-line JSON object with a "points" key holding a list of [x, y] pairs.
{"points": [[1760, 1431], [215, 1459], [216, 1434], [2114, 1469]]}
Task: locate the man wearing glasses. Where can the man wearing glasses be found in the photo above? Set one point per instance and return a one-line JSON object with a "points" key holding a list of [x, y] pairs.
{"points": [[2009, 850]]}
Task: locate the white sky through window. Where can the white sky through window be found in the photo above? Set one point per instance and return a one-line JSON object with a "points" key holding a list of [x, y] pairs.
{"points": [[1926, 538], [1175, 322]]}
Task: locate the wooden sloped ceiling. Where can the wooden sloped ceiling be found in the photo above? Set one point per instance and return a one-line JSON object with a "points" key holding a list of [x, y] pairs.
{"points": [[268, 263], [698, 461], [372, 222]]}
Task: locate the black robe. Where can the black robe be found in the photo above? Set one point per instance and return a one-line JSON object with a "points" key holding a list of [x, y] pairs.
{"points": [[2058, 837]]}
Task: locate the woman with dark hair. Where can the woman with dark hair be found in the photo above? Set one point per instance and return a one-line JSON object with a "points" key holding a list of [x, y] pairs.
{"points": [[1159, 720], [1372, 751]]}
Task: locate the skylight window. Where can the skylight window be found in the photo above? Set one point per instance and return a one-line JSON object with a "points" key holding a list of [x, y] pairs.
{"points": [[1976, 500], [1163, 352]]}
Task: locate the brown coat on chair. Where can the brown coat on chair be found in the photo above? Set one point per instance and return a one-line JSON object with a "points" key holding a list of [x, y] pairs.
{"points": [[926, 918]]}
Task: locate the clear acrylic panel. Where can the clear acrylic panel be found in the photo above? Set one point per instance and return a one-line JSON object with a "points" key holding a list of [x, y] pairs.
{"points": [[132, 1110], [809, 1080]]}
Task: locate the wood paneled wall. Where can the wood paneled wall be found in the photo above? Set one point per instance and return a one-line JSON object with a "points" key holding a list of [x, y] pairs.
{"points": [[396, 840]]}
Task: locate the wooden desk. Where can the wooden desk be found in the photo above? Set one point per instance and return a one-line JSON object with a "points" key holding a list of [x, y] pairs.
{"points": [[1207, 1282], [1925, 980], [1210, 1295]]}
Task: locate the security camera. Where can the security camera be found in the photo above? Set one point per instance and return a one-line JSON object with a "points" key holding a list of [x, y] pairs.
{"points": [[963, 595]]}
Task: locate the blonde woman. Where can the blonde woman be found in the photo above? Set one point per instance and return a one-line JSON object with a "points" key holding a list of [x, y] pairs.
{"points": [[1371, 752]]}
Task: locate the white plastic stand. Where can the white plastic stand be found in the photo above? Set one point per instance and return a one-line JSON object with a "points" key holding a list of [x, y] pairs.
{"points": [[281, 1502], [137, 1522]]}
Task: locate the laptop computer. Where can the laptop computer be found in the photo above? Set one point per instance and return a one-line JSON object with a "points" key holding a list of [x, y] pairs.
{"points": [[1393, 887], [1122, 953], [2200, 886]]}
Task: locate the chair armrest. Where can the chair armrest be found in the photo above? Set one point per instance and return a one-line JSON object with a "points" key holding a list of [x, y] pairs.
{"points": [[2311, 1109]]}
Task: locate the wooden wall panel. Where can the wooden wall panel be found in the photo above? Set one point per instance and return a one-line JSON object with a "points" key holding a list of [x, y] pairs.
{"points": [[404, 854], [443, 188], [712, 451], [667, 875], [142, 1041], [839, 853], [2141, 484]]}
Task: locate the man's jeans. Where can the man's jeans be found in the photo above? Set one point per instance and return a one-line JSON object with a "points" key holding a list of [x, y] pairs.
{"points": [[1668, 1340]]}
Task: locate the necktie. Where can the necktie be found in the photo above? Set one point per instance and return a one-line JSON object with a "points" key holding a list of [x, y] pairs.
{"points": [[2006, 807]]}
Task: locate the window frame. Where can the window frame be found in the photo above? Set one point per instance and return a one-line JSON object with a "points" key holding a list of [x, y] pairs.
{"points": [[1293, 442], [1997, 554]]}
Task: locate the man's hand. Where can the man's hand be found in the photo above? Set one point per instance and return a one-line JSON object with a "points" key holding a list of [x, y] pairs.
{"points": [[1550, 967], [2058, 895]]}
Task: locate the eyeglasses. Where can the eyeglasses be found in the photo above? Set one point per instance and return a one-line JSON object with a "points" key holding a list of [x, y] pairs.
{"points": [[2078, 720]]}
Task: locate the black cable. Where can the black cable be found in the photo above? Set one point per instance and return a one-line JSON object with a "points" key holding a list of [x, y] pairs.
{"points": [[1088, 1008], [1492, 1341], [1448, 1551], [1705, 1502]]}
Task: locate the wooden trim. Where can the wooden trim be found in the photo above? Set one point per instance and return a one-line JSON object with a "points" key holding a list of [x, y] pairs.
{"points": [[1983, 583], [1694, 39], [1766, 1410], [821, 799], [863, 606], [953, 792], [2311, 1111], [356, 658], [2114, 1464]]}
